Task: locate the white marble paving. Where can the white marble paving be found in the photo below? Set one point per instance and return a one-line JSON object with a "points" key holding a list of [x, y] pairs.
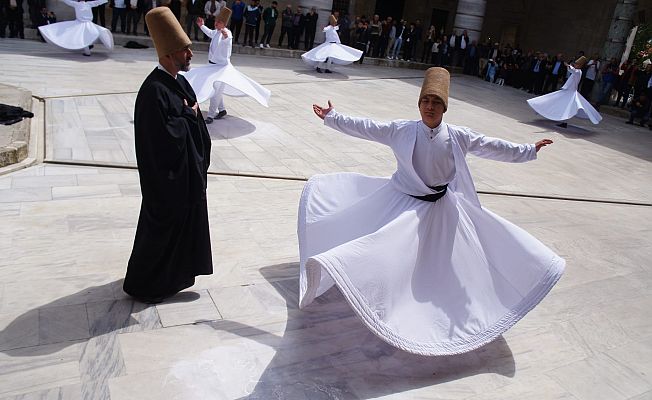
{"points": [[67, 331]]}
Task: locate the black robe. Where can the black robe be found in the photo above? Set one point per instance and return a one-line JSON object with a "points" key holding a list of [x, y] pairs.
{"points": [[172, 243]]}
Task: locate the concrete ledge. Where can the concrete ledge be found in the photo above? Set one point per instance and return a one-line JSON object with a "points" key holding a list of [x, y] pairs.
{"points": [[14, 139]]}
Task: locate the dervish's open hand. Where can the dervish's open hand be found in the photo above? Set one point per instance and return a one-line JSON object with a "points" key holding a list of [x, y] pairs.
{"points": [[199, 21], [542, 143], [321, 111]]}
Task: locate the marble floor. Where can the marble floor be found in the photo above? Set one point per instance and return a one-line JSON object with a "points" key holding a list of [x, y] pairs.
{"points": [[67, 331]]}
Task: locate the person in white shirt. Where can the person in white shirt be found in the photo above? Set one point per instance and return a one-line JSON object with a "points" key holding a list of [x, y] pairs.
{"points": [[212, 10], [332, 51], [424, 266], [220, 77], [592, 69], [566, 102], [119, 11], [81, 33]]}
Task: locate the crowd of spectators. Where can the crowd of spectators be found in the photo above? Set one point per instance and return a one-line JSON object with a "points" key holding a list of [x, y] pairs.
{"points": [[604, 81]]}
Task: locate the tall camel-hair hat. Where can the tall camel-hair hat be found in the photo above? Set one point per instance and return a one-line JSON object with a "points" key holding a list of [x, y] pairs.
{"points": [[436, 83], [224, 15], [579, 63], [166, 32]]}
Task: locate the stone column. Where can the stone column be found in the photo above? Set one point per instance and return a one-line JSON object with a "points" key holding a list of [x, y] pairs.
{"points": [[621, 24], [324, 11], [469, 17]]}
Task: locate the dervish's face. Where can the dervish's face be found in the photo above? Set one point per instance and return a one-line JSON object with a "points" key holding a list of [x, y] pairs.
{"points": [[182, 59], [219, 25], [432, 110]]}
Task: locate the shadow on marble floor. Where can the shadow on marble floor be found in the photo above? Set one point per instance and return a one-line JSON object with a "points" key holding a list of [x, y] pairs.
{"points": [[311, 71], [99, 53], [325, 352], [230, 127], [573, 131], [81, 316]]}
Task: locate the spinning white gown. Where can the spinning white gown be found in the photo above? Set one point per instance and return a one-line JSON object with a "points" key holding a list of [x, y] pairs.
{"points": [[221, 75], [80, 33], [429, 278], [332, 50], [566, 102]]}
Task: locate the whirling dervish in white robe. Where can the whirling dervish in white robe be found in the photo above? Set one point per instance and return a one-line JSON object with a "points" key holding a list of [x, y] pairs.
{"points": [[424, 266], [566, 102], [332, 51], [220, 77], [80, 33]]}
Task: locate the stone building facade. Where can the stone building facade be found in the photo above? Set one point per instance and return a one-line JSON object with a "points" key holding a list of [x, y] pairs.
{"points": [[550, 26]]}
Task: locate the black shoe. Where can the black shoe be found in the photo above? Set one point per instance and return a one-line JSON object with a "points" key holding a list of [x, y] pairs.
{"points": [[563, 125], [328, 71], [208, 120], [629, 122], [220, 114], [319, 70]]}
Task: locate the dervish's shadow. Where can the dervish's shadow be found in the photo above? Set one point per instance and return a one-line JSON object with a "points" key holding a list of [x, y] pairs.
{"points": [[572, 131], [70, 55], [230, 127], [334, 75], [327, 353], [87, 314]]}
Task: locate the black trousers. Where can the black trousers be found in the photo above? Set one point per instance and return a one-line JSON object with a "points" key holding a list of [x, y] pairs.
{"points": [[587, 88], [267, 35], [16, 28], [99, 12], [236, 28], [133, 17], [285, 30], [119, 13], [309, 38], [249, 35]]}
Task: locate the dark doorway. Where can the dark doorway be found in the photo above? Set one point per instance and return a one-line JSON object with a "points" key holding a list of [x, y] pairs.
{"points": [[341, 5], [390, 8], [439, 19]]}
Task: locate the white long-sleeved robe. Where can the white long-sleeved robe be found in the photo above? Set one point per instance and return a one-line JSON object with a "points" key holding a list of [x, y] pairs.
{"points": [[79, 33], [566, 102], [331, 49], [429, 278], [221, 77]]}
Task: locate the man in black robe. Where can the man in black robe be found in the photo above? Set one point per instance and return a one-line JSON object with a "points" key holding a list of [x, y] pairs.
{"points": [[172, 243]]}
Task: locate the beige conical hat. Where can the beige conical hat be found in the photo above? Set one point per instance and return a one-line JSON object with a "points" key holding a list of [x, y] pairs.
{"points": [[332, 20], [579, 63], [166, 32], [224, 15], [436, 83]]}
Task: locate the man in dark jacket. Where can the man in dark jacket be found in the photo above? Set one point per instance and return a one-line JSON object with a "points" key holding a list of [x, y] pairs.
{"points": [[270, 15], [286, 26], [195, 10], [251, 17], [298, 24], [172, 244], [311, 27]]}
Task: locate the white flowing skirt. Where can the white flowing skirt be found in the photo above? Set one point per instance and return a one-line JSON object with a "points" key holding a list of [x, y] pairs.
{"points": [[75, 35], [564, 104], [336, 52], [429, 278], [207, 79]]}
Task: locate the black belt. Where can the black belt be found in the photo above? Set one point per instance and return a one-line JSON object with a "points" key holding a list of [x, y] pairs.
{"points": [[435, 196]]}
